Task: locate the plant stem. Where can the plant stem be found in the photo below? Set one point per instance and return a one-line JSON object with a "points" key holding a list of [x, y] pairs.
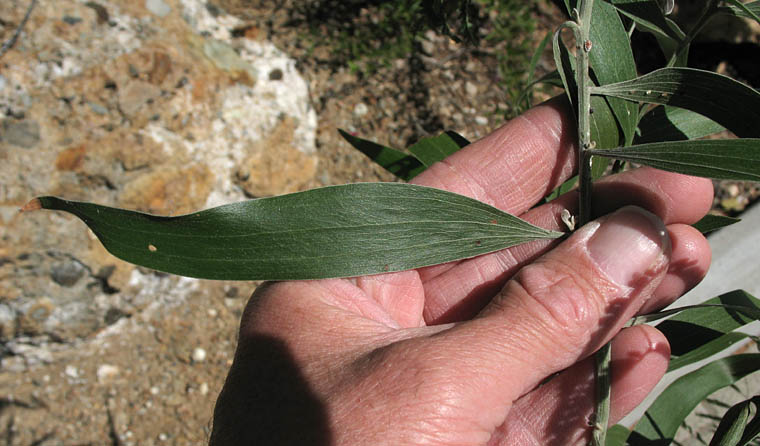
{"points": [[584, 47], [583, 81]]}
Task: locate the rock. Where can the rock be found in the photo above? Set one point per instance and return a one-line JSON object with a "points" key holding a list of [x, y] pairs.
{"points": [[199, 355], [135, 94], [173, 190], [275, 75], [71, 371], [225, 58], [68, 273], [25, 133], [158, 7], [106, 373], [275, 166]]}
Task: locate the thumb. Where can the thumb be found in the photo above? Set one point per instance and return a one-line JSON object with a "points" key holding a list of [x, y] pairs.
{"points": [[564, 306]]}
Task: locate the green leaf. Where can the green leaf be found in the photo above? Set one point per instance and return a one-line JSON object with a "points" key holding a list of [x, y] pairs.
{"points": [[648, 16], [690, 330], [733, 425], [665, 415], [436, 148], [537, 56], [604, 128], [565, 64], [617, 435], [746, 10], [727, 159], [674, 124], [460, 140], [706, 350], [560, 190], [722, 99], [710, 223], [612, 61], [336, 231], [394, 161]]}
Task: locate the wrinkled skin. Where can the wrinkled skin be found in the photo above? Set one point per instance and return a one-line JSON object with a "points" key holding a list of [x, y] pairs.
{"points": [[461, 354]]}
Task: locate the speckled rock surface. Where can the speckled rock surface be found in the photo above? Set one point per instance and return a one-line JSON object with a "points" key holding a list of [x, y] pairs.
{"points": [[147, 105]]}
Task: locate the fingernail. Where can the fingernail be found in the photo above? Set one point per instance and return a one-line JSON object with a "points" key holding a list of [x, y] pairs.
{"points": [[627, 244]]}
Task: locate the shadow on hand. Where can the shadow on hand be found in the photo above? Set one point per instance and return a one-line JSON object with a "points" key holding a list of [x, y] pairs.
{"points": [[267, 401]]}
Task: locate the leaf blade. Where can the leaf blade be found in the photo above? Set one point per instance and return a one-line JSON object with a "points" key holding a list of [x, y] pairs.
{"points": [[665, 415], [710, 223], [722, 99], [729, 159], [336, 231], [436, 148], [667, 123], [398, 163]]}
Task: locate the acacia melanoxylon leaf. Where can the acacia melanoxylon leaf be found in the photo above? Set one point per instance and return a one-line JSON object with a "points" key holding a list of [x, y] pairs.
{"points": [[604, 128], [733, 426], [726, 159], [747, 10], [665, 123], [710, 223], [437, 148], [612, 61], [648, 15], [661, 421], [720, 98], [700, 332], [335, 231], [400, 164]]}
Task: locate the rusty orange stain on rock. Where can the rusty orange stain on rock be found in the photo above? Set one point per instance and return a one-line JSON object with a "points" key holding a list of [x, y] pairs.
{"points": [[71, 158]]}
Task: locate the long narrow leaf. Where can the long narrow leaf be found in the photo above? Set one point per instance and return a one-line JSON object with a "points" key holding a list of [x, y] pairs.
{"points": [[746, 10], [731, 430], [674, 124], [727, 159], [398, 163], [612, 61], [437, 148], [336, 231], [604, 127], [665, 415], [706, 350], [722, 99], [690, 331], [648, 15], [710, 223]]}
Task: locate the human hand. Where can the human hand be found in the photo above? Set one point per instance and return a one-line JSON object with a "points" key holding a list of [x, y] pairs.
{"points": [[460, 354]]}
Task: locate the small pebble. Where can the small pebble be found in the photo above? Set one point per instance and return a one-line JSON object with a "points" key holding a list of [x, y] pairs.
{"points": [[203, 389], [199, 355], [212, 312], [154, 390], [163, 437], [106, 372], [71, 371], [361, 109], [481, 120]]}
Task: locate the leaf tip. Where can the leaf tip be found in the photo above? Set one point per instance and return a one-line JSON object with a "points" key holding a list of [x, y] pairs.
{"points": [[33, 205]]}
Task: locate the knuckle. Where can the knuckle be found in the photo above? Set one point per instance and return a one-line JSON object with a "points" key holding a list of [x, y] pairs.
{"points": [[563, 301]]}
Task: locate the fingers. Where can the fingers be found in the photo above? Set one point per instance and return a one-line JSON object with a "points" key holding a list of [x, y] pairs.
{"points": [[562, 307], [463, 289], [516, 165], [689, 262], [560, 412]]}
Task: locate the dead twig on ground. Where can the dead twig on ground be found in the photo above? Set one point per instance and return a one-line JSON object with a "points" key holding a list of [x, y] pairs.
{"points": [[12, 40]]}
